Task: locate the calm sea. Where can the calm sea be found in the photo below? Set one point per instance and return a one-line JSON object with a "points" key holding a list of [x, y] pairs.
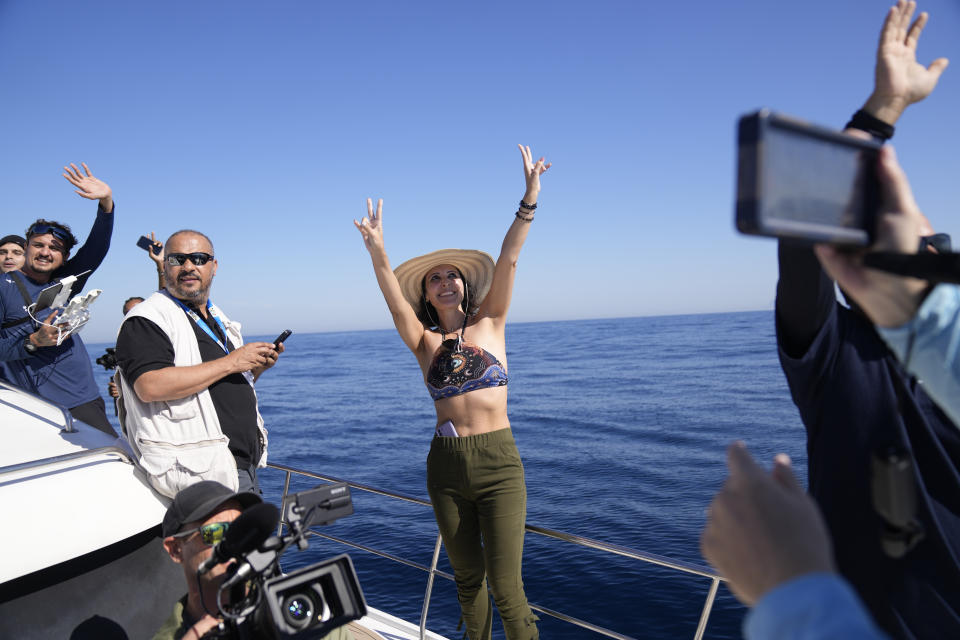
{"points": [[622, 426]]}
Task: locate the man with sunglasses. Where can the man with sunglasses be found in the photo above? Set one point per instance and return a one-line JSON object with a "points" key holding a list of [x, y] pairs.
{"points": [[187, 379], [197, 519], [60, 373], [881, 455]]}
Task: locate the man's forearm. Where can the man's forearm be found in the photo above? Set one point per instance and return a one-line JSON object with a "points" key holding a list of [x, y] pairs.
{"points": [[173, 383]]}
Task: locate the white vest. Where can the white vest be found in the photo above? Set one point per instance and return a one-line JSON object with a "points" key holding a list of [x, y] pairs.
{"points": [[180, 442]]}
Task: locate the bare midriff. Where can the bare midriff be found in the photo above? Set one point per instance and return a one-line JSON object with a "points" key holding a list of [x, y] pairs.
{"points": [[475, 412]]}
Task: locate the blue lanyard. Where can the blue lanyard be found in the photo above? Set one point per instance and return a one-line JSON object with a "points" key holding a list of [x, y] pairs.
{"points": [[203, 325]]}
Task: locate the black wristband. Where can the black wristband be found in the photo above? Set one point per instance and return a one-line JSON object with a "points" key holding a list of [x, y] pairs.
{"points": [[880, 130], [520, 216], [531, 207]]}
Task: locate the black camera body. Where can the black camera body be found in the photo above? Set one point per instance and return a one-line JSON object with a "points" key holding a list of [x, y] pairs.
{"points": [[109, 359], [312, 601], [308, 603]]}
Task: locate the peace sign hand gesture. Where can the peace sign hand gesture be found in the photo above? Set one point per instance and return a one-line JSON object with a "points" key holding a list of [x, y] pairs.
{"points": [[531, 173], [371, 226]]}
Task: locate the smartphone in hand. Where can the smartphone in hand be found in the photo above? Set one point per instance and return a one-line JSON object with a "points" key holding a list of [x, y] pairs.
{"points": [[281, 338], [147, 244]]}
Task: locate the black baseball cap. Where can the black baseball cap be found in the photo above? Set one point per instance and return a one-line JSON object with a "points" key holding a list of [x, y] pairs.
{"points": [[198, 501], [15, 239]]}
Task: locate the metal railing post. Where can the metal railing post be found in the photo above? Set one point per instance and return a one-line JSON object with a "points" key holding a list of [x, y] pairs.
{"points": [[707, 607], [426, 596], [286, 492]]}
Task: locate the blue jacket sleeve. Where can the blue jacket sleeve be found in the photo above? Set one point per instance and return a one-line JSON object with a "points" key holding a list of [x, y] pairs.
{"points": [[93, 251], [816, 606]]}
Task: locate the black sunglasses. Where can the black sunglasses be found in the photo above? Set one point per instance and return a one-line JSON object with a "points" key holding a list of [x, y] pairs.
{"points": [[37, 229], [211, 533], [939, 241], [177, 259]]}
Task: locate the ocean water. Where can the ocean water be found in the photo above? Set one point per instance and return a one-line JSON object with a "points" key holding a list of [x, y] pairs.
{"points": [[622, 425]]}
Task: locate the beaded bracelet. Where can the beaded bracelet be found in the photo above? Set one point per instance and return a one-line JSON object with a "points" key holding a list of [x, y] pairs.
{"points": [[523, 217], [531, 207]]}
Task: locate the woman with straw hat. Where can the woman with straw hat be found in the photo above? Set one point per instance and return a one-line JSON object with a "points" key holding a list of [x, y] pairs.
{"points": [[450, 308]]}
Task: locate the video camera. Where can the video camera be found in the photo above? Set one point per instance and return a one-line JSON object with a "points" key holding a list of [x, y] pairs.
{"points": [[109, 359], [307, 603]]}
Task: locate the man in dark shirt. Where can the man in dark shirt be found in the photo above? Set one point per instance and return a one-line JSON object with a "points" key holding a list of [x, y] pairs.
{"points": [[60, 373], [857, 402], [187, 379]]}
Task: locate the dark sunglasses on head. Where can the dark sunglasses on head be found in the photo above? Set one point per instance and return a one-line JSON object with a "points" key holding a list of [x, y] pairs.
{"points": [[211, 533], [177, 259], [37, 229]]}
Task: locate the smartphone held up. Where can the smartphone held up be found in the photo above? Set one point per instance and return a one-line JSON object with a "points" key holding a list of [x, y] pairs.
{"points": [[804, 182]]}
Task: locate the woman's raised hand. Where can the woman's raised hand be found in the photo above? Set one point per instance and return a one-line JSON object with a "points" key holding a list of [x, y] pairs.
{"points": [[371, 226], [531, 172]]}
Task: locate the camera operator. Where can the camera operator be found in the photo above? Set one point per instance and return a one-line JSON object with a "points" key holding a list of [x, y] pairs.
{"points": [[768, 539], [197, 519], [856, 402]]}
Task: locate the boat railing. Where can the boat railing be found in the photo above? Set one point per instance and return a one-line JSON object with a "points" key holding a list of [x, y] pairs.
{"points": [[84, 454], [432, 570]]}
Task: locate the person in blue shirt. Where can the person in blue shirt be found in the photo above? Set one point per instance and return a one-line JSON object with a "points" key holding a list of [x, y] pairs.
{"points": [[59, 373]]}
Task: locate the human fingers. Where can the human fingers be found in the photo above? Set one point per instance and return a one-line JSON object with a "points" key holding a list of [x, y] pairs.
{"points": [[913, 35], [76, 171], [888, 33], [524, 159], [783, 473], [380, 210], [87, 169], [740, 463], [937, 67], [369, 208], [903, 19], [68, 174]]}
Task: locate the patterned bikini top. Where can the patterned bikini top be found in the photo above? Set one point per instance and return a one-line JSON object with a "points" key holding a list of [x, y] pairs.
{"points": [[455, 372]]}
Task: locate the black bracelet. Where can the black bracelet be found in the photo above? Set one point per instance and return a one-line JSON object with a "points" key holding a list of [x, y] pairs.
{"points": [[531, 207], [880, 130], [523, 217]]}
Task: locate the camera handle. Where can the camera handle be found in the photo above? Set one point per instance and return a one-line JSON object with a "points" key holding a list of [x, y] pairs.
{"points": [[935, 267]]}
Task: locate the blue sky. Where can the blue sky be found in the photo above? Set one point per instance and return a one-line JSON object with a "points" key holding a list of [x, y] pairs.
{"points": [[267, 124]]}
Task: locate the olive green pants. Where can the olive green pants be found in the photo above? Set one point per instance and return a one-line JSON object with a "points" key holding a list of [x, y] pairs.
{"points": [[480, 502]]}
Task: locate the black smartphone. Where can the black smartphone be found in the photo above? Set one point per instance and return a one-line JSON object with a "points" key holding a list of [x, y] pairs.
{"points": [[147, 244], [805, 182], [282, 338]]}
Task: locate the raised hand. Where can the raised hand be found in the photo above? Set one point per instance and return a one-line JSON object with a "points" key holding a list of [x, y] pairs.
{"points": [[762, 528], [371, 226], [87, 186], [899, 79], [156, 257], [531, 173]]}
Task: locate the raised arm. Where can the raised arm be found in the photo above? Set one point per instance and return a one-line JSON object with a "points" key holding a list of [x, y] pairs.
{"points": [[95, 247], [497, 302], [899, 80], [157, 259], [404, 317], [805, 294]]}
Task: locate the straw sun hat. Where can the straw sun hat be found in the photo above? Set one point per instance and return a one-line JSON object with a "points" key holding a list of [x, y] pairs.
{"points": [[476, 266]]}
